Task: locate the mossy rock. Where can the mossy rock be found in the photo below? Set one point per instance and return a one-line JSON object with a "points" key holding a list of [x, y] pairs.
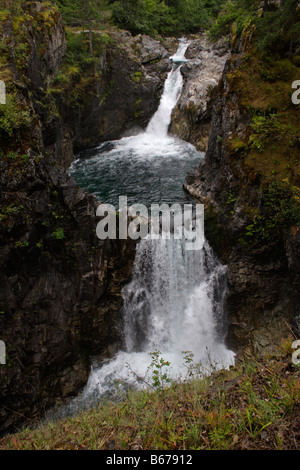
{"points": [[283, 70]]}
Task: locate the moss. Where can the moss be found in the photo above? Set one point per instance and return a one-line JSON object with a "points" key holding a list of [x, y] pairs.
{"points": [[268, 152], [78, 76], [58, 234], [280, 70], [13, 116], [274, 121], [139, 111], [237, 145], [137, 77]]}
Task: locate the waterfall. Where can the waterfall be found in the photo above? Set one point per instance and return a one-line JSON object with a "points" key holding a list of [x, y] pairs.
{"points": [[175, 300], [159, 123], [173, 305]]}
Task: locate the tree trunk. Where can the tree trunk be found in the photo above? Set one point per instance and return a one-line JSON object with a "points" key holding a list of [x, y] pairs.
{"points": [[91, 41]]}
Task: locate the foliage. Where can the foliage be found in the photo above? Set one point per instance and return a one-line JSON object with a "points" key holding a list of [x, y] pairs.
{"points": [[262, 126], [10, 210], [164, 17], [234, 16], [77, 76], [153, 17], [280, 29], [22, 244], [138, 15], [268, 149], [58, 234], [159, 374], [276, 28], [282, 204], [81, 12], [78, 49], [13, 116]]}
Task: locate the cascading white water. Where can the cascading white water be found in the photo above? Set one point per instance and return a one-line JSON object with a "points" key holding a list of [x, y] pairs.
{"points": [[159, 124], [175, 300], [175, 305]]}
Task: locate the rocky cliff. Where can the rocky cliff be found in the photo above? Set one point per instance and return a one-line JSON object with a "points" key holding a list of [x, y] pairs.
{"points": [[192, 116], [60, 286], [114, 92], [249, 183]]}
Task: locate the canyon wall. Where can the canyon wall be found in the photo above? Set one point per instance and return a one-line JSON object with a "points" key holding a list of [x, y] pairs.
{"points": [[248, 183]]}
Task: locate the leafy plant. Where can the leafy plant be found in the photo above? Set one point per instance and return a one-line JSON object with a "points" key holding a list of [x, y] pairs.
{"points": [[58, 234], [159, 375], [20, 244], [13, 116], [262, 125], [235, 15]]}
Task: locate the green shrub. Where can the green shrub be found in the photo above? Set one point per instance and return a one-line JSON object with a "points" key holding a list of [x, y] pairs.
{"points": [[13, 116], [20, 244], [58, 234], [234, 16], [278, 28]]}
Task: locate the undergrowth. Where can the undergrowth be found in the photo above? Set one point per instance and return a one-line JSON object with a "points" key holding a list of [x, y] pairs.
{"points": [[253, 405]]}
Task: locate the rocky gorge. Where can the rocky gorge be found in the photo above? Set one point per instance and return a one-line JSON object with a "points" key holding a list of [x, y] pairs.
{"points": [[61, 287]]}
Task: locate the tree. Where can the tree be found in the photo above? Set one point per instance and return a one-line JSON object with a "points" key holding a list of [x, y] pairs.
{"points": [[84, 13], [81, 12], [140, 16], [279, 28]]}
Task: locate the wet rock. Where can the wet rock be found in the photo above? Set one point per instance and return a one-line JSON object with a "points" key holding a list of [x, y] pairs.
{"points": [[192, 116], [150, 49], [262, 301], [60, 295]]}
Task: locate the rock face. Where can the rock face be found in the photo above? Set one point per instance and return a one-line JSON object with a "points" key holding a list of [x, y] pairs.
{"points": [[191, 118], [60, 289], [262, 298], [60, 293], [116, 98]]}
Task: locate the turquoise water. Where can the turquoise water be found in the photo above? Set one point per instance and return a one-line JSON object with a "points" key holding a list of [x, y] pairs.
{"points": [[144, 168]]}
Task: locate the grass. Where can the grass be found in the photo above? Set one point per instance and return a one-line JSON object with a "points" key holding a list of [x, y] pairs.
{"points": [[254, 405]]}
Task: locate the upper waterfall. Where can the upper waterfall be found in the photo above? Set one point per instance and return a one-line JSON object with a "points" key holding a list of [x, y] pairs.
{"points": [[159, 124]]}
